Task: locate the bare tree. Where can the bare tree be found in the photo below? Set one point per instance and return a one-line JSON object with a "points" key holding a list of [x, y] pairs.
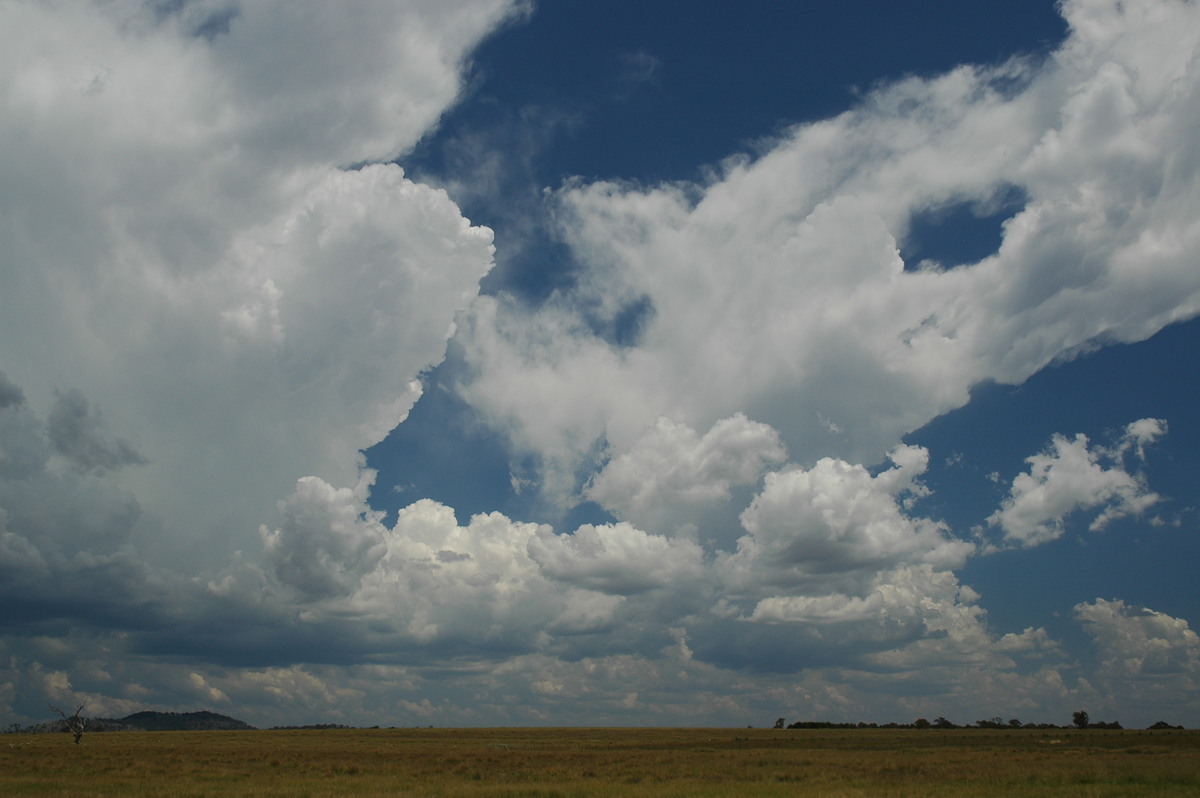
{"points": [[75, 724]]}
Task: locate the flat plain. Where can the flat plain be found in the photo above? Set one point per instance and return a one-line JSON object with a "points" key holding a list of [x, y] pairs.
{"points": [[605, 762]]}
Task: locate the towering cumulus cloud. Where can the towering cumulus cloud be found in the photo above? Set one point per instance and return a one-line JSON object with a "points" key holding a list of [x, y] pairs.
{"points": [[217, 289], [193, 254], [211, 282]]}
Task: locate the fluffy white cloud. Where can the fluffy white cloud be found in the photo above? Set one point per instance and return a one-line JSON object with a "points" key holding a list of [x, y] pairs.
{"points": [[833, 528], [831, 560], [777, 289], [491, 585], [210, 303], [1136, 643], [617, 559], [671, 475], [192, 256], [1071, 476], [328, 540], [1147, 658]]}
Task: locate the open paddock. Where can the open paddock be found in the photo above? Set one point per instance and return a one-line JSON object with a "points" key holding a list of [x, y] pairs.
{"points": [[604, 762]]}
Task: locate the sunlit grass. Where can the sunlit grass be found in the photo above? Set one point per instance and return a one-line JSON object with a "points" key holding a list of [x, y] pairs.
{"points": [[604, 762]]}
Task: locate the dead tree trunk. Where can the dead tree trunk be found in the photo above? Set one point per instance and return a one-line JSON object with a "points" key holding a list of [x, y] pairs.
{"points": [[75, 724]]}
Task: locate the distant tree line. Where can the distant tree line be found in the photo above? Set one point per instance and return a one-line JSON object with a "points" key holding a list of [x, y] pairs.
{"points": [[313, 726], [1080, 720]]}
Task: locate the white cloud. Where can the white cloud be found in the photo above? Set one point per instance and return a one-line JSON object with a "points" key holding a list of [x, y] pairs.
{"points": [[833, 527], [1136, 643], [617, 559], [1149, 659], [187, 258], [1070, 477], [1141, 433], [831, 561], [329, 538], [206, 310], [493, 584], [671, 475], [777, 289]]}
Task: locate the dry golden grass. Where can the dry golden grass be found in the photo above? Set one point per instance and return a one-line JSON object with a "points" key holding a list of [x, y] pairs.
{"points": [[604, 762]]}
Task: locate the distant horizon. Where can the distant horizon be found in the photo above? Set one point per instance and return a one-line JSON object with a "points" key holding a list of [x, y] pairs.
{"points": [[1098, 725]]}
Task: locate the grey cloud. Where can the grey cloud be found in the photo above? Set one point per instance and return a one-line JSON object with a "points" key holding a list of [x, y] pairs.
{"points": [[61, 530], [10, 394], [75, 431], [206, 19], [23, 447]]}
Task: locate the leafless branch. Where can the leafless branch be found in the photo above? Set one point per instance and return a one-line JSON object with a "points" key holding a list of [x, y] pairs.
{"points": [[75, 724]]}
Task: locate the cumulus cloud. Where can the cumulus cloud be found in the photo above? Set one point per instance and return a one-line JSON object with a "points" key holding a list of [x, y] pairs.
{"points": [[832, 561], [329, 538], [194, 255], [777, 289], [213, 287], [834, 527], [617, 559], [1137, 642], [491, 586], [217, 294], [1071, 476], [1149, 658], [671, 474]]}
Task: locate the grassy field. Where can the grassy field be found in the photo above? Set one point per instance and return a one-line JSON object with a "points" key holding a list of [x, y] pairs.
{"points": [[604, 762]]}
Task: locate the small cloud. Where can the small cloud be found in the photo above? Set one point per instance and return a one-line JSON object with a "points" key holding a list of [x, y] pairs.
{"points": [[829, 425], [518, 484], [1140, 434], [635, 70], [1070, 476]]}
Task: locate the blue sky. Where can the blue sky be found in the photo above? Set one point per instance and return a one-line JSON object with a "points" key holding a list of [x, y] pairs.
{"points": [[499, 363]]}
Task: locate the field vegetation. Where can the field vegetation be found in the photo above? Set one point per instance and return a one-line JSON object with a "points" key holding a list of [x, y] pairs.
{"points": [[605, 762]]}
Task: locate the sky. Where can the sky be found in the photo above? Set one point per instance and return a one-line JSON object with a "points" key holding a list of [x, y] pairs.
{"points": [[495, 362]]}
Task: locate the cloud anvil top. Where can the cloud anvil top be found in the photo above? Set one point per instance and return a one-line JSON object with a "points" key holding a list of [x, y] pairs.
{"points": [[640, 441]]}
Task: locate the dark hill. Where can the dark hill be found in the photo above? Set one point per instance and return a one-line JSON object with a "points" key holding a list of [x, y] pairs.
{"points": [[182, 721]]}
